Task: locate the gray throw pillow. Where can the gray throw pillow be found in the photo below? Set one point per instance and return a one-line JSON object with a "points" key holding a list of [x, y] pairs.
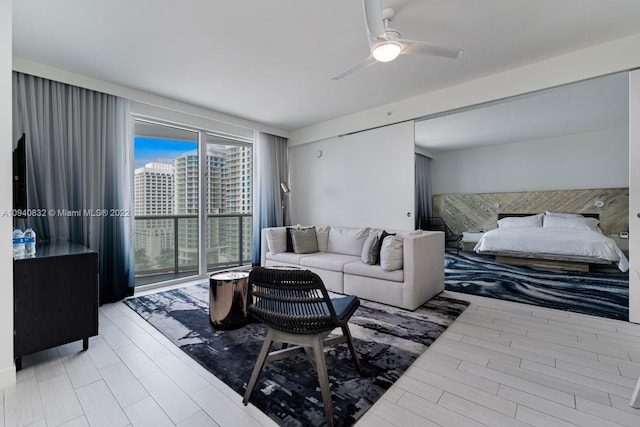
{"points": [[322, 232], [277, 240], [383, 236], [371, 249], [304, 240], [391, 256]]}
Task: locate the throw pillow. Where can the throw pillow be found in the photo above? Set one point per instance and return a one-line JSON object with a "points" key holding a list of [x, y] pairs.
{"points": [[391, 257], [304, 240], [289, 241], [383, 236], [277, 240], [371, 249], [347, 240], [322, 233]]}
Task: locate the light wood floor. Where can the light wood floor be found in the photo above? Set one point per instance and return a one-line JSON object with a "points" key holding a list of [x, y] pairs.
{"points": [[500, 363]]}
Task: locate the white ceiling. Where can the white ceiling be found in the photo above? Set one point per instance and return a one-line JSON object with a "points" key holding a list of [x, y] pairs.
{"points": [[596, 104], [272, 61]]}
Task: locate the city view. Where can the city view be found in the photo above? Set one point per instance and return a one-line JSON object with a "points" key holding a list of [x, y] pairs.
{"points": [[167, 197]]}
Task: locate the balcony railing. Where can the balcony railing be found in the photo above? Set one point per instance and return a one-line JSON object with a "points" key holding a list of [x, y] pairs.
{"points": [[167, 245]]}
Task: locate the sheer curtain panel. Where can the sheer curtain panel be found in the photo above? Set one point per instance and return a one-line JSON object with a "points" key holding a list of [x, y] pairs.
{"points": [[79, 170], [271, 168]]}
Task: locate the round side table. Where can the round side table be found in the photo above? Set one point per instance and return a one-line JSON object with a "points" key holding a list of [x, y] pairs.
{"points": [[228, 299]]}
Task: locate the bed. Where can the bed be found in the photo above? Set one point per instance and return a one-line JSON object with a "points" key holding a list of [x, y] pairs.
{"points": [[559, 241]]}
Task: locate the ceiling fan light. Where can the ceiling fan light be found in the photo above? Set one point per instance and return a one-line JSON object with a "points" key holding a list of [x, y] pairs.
{"points": [[386, 52]]}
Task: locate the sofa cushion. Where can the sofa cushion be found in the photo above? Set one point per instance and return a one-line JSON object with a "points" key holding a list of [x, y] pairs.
{"points": [[347, 240], [304, 240], [383, 235], [276, 239], [322, 233], [288, 257], [371, 248], [391, 257], [359, 268], [327, 260], [289, 239]]}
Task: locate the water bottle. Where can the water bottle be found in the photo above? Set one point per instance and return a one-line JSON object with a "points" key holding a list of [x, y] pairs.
{"points": [[18, 244], [29, 243]]}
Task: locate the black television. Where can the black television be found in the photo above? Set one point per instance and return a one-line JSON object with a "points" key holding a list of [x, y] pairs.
{"points": [[20, 176]]}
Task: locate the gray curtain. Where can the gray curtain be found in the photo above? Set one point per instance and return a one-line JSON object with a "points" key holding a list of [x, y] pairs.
{"points": [[79, 160], [271, 168], [423, 187]]}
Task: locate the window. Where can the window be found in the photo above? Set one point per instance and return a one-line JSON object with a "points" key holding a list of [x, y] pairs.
{"points": [[175, 236]]}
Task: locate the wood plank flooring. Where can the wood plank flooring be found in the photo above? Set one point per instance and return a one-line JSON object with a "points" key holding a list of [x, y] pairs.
{"points": [[498, 364]]}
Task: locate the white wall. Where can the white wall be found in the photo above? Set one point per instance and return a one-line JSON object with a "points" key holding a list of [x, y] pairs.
{"points": [[7, 368], [587, 160], [634, 196], [365, 178]]}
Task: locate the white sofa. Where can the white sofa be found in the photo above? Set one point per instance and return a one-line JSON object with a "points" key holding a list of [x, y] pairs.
{"points": [[339, 264]]}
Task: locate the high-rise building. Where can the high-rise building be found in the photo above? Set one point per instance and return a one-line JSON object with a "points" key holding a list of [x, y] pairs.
{"points": [[164, 189], [154, 196], [228, 191], [153, 189], [237, 180]]}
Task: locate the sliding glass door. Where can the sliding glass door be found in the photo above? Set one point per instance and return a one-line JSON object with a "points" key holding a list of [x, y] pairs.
{"points": [[166, 202], [229, 178], [193, 198]]}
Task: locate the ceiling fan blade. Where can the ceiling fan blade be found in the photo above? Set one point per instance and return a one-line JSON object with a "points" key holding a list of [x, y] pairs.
{"points": [[373, 18], [364, 64], [422, 48]]}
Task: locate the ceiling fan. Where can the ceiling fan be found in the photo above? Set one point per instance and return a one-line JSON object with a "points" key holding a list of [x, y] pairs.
{"points": [[386, 43]]}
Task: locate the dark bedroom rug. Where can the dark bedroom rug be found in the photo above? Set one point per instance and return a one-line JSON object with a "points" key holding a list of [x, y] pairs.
{"points": [[598, 294], [387, 339]]}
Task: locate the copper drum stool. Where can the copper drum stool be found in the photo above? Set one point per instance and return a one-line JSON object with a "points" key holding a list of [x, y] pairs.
{"points": [[228, 299]]}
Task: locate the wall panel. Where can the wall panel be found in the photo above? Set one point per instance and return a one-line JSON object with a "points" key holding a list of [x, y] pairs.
{"points": [[479, 211], [364, 179]]}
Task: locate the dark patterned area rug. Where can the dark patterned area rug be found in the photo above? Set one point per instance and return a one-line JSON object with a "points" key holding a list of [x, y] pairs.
{"points": [[387, 340], [604, 294]]}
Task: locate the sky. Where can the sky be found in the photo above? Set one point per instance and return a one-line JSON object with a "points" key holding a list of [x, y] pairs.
{"points": [[147, 150]]}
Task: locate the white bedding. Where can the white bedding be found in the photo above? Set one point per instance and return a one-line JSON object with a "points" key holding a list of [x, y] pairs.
{"points": [[553, 241]]}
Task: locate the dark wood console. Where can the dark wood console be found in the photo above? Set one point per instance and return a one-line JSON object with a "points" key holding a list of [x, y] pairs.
{"points": [[55, 298]]}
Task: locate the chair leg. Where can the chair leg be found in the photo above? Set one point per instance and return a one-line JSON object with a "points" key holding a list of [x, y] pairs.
{"points": [[635, 397], [323, 378], [347, 333], [264, 352]]}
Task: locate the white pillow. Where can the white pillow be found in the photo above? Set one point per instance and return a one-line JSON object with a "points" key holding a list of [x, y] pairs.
{"points": [[576, 223], [391, 257], [322, 233], [521, 221], [371, 248], [347, 240], [277, 239], [562, 214]]}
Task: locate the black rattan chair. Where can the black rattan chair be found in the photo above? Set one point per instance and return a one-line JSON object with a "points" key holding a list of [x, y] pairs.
{"points": [[296, 307], [436, 223]]}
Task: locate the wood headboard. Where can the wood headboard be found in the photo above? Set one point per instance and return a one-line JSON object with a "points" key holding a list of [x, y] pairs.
{"points": [[479, 211], [505, 215]]}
